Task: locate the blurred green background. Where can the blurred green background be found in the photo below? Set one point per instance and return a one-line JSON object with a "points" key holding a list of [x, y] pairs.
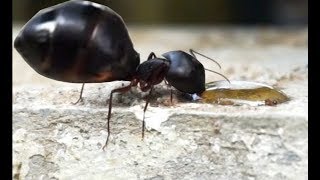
{"points": [[225, 12]]}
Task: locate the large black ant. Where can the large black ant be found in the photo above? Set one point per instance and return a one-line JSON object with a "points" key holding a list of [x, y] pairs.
{"points": [[85, 42]]}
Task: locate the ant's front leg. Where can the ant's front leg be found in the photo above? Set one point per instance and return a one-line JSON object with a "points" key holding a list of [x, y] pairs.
{"points": [[169, 85], [121, 90], [144, 111]]}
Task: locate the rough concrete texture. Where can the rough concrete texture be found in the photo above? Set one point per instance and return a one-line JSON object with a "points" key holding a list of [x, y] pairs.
{"points": [[54, 139]]}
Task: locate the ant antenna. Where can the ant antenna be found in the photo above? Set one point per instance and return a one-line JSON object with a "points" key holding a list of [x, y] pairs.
{"points": [[193, 51], [219, 74]]}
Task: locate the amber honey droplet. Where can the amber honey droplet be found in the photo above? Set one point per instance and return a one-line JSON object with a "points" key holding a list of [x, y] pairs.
{"points": [[242, 92]]}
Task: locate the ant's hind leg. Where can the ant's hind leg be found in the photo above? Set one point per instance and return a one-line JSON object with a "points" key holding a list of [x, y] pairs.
{"points": [[80, 98]]}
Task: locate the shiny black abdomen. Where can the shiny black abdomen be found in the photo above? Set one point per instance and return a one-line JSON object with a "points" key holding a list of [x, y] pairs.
{"points": [[78, 41]]}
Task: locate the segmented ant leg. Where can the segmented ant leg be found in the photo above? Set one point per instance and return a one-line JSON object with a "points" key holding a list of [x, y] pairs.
{"points": [[144, 112], [169, 85], [80, 98], [171, 95], [122, 89], [151, 56]]}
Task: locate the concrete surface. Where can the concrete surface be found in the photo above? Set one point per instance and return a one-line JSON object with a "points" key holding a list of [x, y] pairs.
{"points": [[54, 139]]}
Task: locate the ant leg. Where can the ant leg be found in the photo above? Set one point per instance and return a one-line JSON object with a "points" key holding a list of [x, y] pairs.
{"points": [[171, 95], [151, 56], [169, 85], [122, 89], [193, 51], [144, 112], [80, 98]]}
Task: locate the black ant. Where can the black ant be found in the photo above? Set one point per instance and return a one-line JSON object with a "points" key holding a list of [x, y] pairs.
{"points": [[97, 48]]}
